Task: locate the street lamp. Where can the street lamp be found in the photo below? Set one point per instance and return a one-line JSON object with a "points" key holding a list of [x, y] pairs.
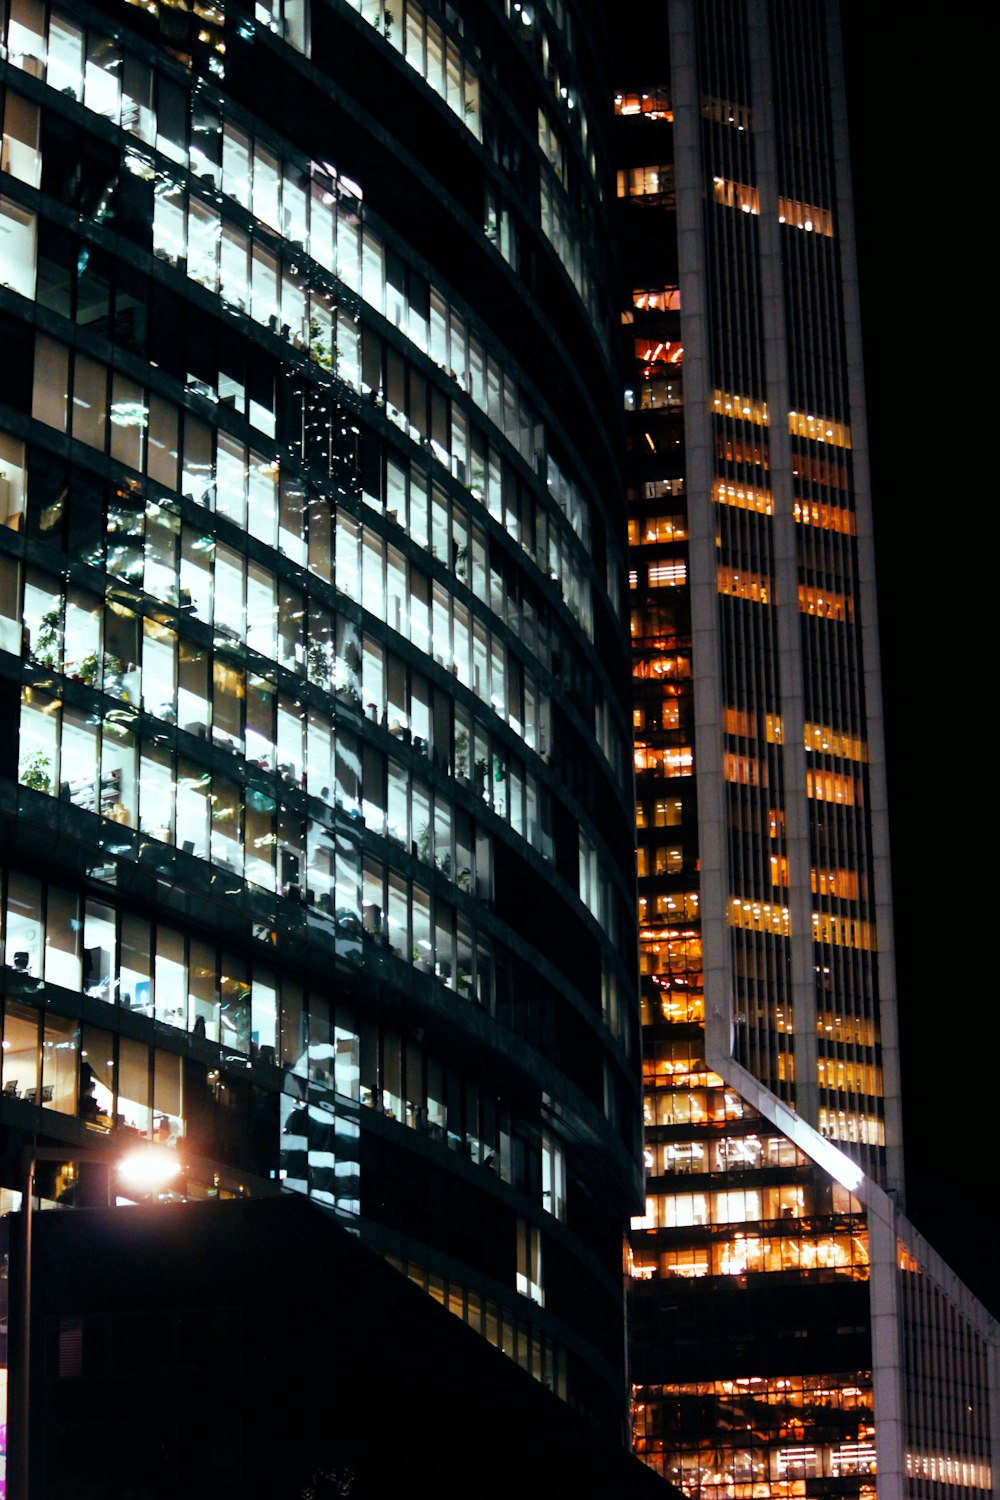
{"points": [[146, 1170]]}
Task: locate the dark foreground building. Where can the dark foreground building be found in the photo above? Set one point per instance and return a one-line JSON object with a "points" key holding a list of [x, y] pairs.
{"points": [[257, 1349], [792, 1334], [315, 813]]}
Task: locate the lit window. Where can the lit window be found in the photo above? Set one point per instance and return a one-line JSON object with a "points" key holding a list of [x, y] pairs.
{"points": [[677, 761], [819, 429], [830, 786], [667, 812], [843, 932], [825, 604], [727, 404], [529, 1262], [745, 770], [834, 742], [654, 184], [739, 584], [17, 247], [826, 517], [663, 299], [743, 496], [667, 575], [738, 721], [741, 195], [669, 859], [805, 216], [657, 529], [658, 351], [654, 106], [758, 916], [656, 489]]}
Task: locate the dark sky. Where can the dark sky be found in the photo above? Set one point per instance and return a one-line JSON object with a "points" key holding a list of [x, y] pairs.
{"points": [[925, 199]]}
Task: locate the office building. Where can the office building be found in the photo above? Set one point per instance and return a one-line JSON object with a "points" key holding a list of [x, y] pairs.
{"points": [[316, 818], [315, 805], [792, 1334]]}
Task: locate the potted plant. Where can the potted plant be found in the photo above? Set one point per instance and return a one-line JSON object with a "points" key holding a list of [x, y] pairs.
{"points": [[89, 668], [36, 773], [48, 642], [462, 754]]}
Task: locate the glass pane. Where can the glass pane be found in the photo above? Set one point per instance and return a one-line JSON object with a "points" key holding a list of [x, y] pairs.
{"points": [[60, 1042], [133, 1113], [20, 1051], [62, 939]]}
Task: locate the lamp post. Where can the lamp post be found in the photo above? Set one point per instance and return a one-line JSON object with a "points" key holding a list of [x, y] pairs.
{"points": [[146, 1169]]}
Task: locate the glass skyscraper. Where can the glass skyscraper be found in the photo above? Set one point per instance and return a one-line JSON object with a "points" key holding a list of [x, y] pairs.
{"points": [[316, 812], [317, 822], [791, 1333]]}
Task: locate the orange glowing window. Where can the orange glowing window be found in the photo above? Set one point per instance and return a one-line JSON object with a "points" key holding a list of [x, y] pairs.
{"points": [[831, 741], [758, 916], [739, 584], [743, 496], [826, 517], [825, 604], [660, 299], [805, 216], [843, 932], [844, 885], [657, 529], [659, 351], [739, 721], [741, 195], [654, 106], [831, 786], [744, 770], [819, 429], [728, 404]]}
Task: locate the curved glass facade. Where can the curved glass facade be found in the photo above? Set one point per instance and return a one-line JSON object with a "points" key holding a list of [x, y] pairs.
{"points": [[316, 836]]}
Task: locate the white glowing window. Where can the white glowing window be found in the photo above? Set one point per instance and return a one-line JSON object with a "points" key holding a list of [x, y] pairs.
{"points": [[18, 231]]}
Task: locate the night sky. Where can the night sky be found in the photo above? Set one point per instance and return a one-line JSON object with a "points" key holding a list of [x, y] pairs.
{"points": [[919, 99]]}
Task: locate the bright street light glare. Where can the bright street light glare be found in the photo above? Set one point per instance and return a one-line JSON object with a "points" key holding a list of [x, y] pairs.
{"points": [[148, 1170]]}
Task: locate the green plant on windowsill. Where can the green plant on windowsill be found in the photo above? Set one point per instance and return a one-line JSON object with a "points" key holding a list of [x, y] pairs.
{"points": [[36, 773], [89, 669], [114, 673], [318, 663], [346, 682], [48, 642], [462, 753], [318, 348]]}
